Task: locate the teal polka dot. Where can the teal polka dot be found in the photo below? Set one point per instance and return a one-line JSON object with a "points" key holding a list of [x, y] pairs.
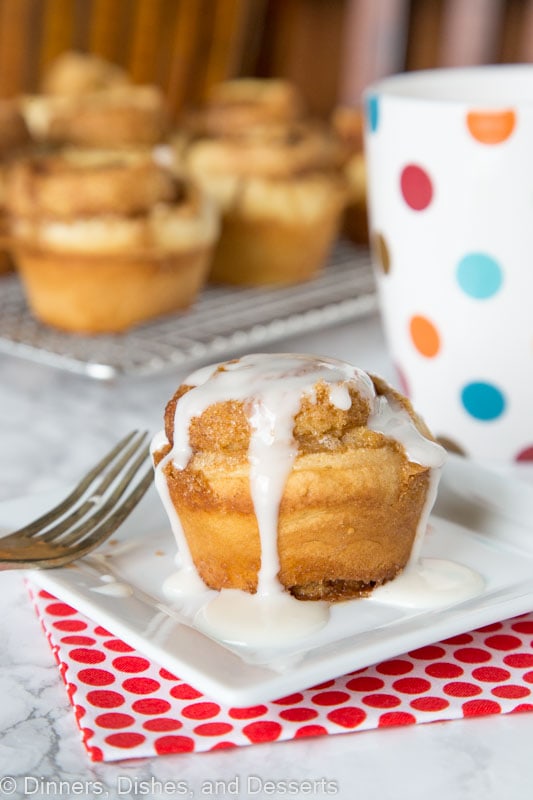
{"points": [[372, 112], [479, 275], [483, 401]]}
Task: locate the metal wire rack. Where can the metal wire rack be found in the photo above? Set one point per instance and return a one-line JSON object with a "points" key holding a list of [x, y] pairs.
{"points": [[223, 322]]}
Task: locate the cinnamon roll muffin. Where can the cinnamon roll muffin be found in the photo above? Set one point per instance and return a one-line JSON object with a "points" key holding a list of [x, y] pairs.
{"points": [[294, 473], [104, 242], [15, 140], [276, 179], [348, 124]]}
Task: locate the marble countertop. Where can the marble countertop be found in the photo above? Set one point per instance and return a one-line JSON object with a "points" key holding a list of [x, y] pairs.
{"points": [[52, 427]]}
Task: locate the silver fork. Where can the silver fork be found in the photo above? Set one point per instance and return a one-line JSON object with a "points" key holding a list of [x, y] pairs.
{"points": [[101, 501]]}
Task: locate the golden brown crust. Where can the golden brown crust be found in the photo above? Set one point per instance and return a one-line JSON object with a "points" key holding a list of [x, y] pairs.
{"points": [[90, 294]]}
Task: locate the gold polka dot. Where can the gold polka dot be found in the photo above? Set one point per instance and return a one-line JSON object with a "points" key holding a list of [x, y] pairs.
{"points": [[451, 446], [381, 252]]}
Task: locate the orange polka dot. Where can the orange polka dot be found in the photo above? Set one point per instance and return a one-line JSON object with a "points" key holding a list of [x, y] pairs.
{"points": [[491, 127], [425, 336]]}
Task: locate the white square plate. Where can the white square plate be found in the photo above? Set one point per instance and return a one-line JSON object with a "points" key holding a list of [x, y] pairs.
{"points": [[481, 520]]}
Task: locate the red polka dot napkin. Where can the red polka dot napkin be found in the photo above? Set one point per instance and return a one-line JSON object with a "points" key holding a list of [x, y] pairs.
{"points": [[127, 706]]}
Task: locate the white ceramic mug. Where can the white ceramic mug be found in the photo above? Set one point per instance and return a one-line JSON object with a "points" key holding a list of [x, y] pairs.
{"points": [[450, 172]]}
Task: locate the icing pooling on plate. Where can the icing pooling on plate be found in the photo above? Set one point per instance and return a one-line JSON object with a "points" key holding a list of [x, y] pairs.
{"points": [[271, 388]]}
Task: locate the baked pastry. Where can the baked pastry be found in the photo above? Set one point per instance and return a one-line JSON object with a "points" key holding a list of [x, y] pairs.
{"points": [[14, 141], [297, 473], [124, 116], [74, 73], [104, 242], [276, 179], [348, 124]]}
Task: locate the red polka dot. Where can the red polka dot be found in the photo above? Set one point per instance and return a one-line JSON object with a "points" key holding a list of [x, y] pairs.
{"points": [[347, 716], [525, 455], [78, 640], [412, 685], [396, 666], [324, 685], [151, 705], [462, 638], [416, 187], [477, 708], [70, 625], [161, 724], [184, 692], [262, 731], [114, 720], [201, 710], [101, 631], [428, 653], [472, 655], [526, 626], [131, 664], [290, 699], [491, 674], [511, 691], [95, 754], [87, 733], [213, 728], [403, 383], [444, 669], [522, 707], [330, 698], [365, 684], [496, 626], [223, 746], [310, 730], [396, 718], [141, 685], [96, 677], [461, 689], [429, 704], [125, 740], [247, 713], [118, 646], [528, 676], [519, 660], [168, 675], [300, 714], [174, 744], [79, 712], [46, 595], [86, 656], [503, 642], [60, 610], [104, 698], [381, 700]]}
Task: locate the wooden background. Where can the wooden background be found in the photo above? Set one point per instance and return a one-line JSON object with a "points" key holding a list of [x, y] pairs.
{"points": [[330, 48]]}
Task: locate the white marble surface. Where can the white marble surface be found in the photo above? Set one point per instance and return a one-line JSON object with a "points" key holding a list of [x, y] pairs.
{"points": [[52, 427]]}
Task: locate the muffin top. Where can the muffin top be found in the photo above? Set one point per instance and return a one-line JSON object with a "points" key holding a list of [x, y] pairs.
{"points": [[310, 404], [74, 184], [72, 74]]}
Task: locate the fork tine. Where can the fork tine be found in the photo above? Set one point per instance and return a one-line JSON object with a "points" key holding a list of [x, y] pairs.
{"points": [[38, 524], [52, 534], [105, 530], [103, 511]]}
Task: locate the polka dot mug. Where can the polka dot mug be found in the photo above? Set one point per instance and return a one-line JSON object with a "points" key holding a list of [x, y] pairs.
{"points": [[450, 173]]}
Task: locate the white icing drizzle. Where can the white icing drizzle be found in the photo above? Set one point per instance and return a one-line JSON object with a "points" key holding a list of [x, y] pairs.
{"points": [[271, 387]]}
